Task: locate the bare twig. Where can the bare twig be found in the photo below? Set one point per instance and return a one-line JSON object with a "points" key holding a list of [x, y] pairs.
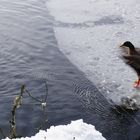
{"points": [[32, 96], [17, 103]]}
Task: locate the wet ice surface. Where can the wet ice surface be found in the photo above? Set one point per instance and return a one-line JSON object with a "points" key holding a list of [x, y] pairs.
{"points": [[89, 33]]}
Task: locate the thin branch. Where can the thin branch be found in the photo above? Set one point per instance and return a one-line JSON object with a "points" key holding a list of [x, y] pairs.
{"points": [[32, 96], [17, 103]]}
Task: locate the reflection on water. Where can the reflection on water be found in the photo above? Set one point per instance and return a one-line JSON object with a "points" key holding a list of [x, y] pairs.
{"points": [[29, 55]]}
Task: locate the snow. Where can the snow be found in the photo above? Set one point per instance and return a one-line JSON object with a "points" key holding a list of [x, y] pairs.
{"points": [[89, 33], [76, 130]]}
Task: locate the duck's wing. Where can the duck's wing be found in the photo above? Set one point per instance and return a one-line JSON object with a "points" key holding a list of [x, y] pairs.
{"points": [[132, 58], [138, 50], [133, 61]]}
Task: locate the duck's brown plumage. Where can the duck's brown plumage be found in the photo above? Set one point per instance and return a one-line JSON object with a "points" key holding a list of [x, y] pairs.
{"points": [[132, 58], [133, 62]]}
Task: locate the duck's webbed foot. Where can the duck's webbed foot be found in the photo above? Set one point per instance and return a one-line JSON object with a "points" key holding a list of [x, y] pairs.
{"points": [[137, 83]]}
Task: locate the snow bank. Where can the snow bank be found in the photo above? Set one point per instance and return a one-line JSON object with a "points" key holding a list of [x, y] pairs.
{"points": [[76, 130], [89, 32]]}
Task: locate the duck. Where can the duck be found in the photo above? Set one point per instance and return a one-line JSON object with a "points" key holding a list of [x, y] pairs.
{"points": [[131, 57]]}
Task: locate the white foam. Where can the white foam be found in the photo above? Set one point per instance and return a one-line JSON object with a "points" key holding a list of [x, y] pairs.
{"points": [[76, 130], [92, 45]]}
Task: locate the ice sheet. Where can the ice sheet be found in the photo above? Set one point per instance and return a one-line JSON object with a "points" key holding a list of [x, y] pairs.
{"points": [[89, 33]]}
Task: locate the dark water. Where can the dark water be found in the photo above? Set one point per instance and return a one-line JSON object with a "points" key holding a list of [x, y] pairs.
{"points": [[29, 55]]}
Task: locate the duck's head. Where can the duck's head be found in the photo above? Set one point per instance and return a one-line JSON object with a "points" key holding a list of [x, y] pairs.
{"points": [[129, 45]]}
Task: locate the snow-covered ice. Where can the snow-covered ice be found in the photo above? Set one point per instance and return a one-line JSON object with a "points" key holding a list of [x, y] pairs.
{"points": [[89, 33], [76, 130]]}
